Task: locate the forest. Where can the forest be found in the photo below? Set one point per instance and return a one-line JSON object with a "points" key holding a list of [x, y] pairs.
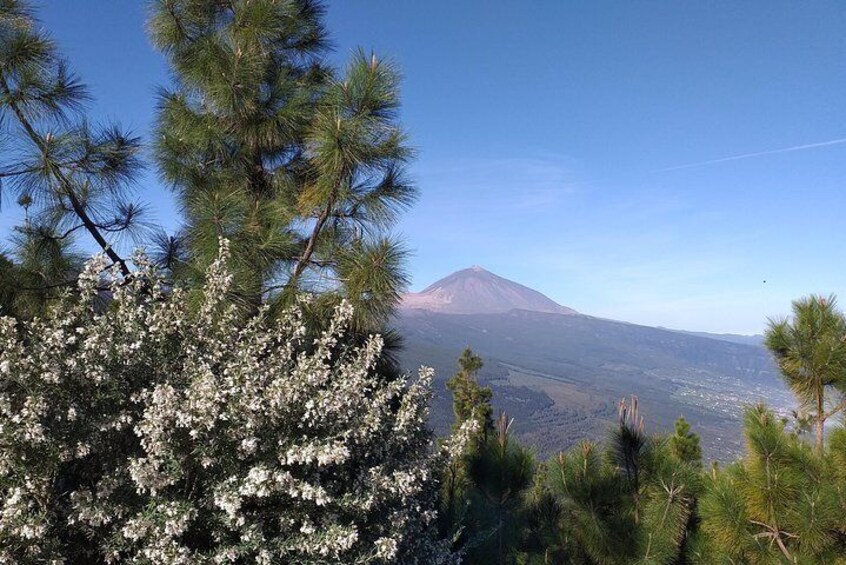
{"points": [[229, 391]]}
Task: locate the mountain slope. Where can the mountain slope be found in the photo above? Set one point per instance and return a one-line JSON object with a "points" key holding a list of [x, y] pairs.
{"points": [[561, 376], [477, 291], [756, 339]]}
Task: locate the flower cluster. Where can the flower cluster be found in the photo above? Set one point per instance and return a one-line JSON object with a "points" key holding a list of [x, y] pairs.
{"points": [[148, 431]]}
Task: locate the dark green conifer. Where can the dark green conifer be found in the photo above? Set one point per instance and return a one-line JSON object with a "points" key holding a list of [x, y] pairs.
{"points": [[470, 401], [302, 170], [684, 444], [501, 472], [631, 503], [469, 398]]}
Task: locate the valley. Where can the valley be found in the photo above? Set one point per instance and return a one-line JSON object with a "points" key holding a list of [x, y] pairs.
{"points": [[561, 374]]}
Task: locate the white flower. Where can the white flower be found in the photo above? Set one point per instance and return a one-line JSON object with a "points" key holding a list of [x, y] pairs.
{"points": [[248, 445], [212, 425], [386, 548]]}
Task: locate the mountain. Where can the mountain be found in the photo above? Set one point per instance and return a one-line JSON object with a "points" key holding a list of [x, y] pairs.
{"points": [[477, 291], [560, 374]]}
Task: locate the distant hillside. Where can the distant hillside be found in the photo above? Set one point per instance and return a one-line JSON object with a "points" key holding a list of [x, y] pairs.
{"points": [[561, 375], [757, 339], [477, 291]]}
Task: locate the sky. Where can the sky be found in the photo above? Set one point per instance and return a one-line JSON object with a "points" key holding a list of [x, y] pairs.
{"points": [[674, 164]]}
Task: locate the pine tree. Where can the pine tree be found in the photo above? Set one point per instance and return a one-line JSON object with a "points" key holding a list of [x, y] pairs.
{"points": [[302, 170], [811, 352], [783, 503], [471, 400], [542, 539], [482, 503], [684, 444], [501, 472], [629, 503], [71, 178], [595, 525]]}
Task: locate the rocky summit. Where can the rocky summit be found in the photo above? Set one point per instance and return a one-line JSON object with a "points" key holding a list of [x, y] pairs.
{"points": [[478, 291]]}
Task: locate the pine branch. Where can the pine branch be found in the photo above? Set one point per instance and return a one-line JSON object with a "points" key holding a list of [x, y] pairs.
{"points": [[63, 180], [836, 409]]}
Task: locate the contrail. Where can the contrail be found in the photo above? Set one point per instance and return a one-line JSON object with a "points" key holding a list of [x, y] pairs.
{"points": [[757, 154]]}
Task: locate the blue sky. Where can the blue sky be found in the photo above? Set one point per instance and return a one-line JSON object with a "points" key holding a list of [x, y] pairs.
{"points": [[553, 140]]}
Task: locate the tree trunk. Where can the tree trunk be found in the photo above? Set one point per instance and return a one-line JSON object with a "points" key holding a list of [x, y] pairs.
{"points": [[500, 539], [820, 423], [305, 258]]}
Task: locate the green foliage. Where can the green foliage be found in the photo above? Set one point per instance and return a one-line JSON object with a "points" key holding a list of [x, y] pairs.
{"points": [[631, 503], [301, 170], [470, 400], [70, 177], [590, 494], [811, 352], [684, 444], [45, 267], [782, 503], [500, 471], [482, 505], [541, 540]]}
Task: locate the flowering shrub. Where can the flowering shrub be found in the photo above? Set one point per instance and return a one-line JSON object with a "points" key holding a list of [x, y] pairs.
{"points": [[146, 432]]}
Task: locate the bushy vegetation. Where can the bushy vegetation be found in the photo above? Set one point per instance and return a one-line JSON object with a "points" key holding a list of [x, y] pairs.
{"points": [[649, 499], [151, 433], [233, 397], [784, 502]]}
